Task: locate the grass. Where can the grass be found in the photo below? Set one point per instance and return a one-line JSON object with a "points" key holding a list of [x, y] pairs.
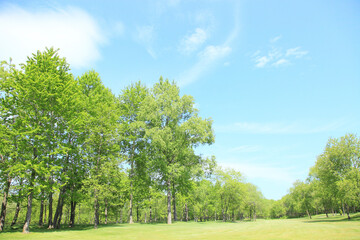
{"points": [[319, 227]]}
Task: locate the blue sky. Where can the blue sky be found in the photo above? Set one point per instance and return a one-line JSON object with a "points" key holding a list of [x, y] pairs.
{"points": [[277, 77]]}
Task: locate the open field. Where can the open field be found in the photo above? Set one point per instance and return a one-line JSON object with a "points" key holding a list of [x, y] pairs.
{"points": [[319, 227]]}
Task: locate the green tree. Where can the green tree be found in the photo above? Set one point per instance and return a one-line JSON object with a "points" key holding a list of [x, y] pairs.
{"points": [[132, 139], [102, 141], [8, 136], [174, 127], [40, 93]]}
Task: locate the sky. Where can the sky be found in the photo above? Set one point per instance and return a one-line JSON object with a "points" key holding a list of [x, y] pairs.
{"points": [[278, 78]]}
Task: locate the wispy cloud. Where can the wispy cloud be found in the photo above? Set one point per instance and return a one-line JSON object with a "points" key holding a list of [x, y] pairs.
{"points": [[275, 39], [191, 43], [207, 58], [145, 35], [276, 57], [71, 29], [280, 128], [281, 62], [262, 61], [296, 52], [211, 55]]}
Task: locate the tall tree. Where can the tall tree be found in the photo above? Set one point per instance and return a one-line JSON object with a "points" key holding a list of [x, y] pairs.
{"points": [[43, 95], [174, 127], [8, 128], [101, 143], [132, 139]]}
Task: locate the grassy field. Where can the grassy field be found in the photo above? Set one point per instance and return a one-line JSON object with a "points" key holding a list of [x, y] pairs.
{"points": [[319, 227]]}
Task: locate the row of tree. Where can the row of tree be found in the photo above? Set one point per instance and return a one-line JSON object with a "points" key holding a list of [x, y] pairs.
{"points": [[68, 142], [73, 152], [333, 185]]}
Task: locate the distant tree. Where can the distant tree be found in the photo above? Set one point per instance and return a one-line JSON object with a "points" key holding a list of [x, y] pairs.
{"points": [[303, 195]]}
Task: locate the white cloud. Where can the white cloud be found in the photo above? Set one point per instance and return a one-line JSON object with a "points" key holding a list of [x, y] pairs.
{"points": [[210, 56], [73, 30], [280, 128], [262, 61], [207, 59], [212, 53], [296, 52], [275, 39], [276, 57], [145, 35], [191, 43], [281, 62]]}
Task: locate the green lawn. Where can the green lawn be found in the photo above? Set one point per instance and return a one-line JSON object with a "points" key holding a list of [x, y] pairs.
{"points": [[319, 227]]}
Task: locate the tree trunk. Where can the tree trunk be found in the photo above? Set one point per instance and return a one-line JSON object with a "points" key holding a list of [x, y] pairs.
{"points": [[145, 217], [348, 211], [59, 208], [186, 212], [72, 213], [4, 204], [96, 210], [215, 216], [16, 213], [174, 202], [44, 213], [131, 221], [343, 208], [308, 213], [137, 213], [41, 223], [29, 202], [150, 217], [50, 222], [169, 201], [224, 217], [106, 212], [79, 214]]}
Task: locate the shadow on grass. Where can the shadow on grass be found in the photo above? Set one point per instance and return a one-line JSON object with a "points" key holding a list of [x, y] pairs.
{"points": [[63, 228], [353, 218]]}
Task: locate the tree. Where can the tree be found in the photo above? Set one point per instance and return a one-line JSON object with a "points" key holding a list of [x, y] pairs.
{"points": [[41, 93], [132, 139], [8, 154], [102, 140], [303, 195], [337, 170], [173, 127]]}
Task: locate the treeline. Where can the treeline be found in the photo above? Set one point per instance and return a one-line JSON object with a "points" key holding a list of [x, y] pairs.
{"points": [[333, 185], [73, 152]]}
